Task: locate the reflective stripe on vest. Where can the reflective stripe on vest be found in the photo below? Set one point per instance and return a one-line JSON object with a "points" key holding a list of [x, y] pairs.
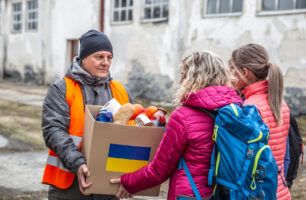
{"points": [[56, 161], [55, 173]]}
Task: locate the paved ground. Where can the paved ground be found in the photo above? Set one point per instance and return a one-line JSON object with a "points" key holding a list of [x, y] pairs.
{"points": [[24, 165], [20, 167], [21, 170], [21, 93]]}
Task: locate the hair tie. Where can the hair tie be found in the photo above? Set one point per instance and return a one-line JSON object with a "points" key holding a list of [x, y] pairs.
{"points": [[269, 63]]}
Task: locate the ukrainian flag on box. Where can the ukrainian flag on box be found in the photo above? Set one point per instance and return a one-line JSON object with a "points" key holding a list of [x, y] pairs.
{"points": [[126, 158]]}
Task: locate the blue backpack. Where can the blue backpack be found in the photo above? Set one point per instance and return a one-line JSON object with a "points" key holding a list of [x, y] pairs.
{"points": [[242, 164]]}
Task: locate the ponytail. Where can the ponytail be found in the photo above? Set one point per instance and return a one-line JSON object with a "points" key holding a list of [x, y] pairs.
{"points": [[256, 58], [275, 90]]}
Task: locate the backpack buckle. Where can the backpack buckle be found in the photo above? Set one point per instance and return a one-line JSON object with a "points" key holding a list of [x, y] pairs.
{"points": [[260, 173], [250, 153]]}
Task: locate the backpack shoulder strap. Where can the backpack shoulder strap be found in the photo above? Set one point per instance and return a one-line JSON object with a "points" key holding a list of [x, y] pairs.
{"points": [[211, 113], [190, 179], [213, 158]]}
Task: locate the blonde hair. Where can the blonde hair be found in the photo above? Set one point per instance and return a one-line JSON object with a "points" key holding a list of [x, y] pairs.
{"points": [[255, 58], [204, 68]]}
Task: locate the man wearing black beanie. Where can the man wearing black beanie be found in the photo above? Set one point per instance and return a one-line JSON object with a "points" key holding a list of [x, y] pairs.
{"points": [[87, 81], [94, 48], [94, 41]]}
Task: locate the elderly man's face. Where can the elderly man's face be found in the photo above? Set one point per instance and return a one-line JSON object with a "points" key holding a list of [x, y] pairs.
{"points": [[98, 63]]}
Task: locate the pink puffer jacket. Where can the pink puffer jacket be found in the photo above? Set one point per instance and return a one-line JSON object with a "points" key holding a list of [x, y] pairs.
{"points": [[189, 134], [257, 94]]}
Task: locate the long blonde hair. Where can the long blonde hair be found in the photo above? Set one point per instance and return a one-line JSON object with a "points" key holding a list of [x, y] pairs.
{"points": [[203, 69], [255, 58]]}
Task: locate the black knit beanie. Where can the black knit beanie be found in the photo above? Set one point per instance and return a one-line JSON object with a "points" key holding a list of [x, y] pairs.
{"points": [[94, 41]]}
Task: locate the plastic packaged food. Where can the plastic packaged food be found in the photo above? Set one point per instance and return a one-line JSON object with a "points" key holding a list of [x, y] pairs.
{"points": [[104, 116], [159, 117], [143, 120]]}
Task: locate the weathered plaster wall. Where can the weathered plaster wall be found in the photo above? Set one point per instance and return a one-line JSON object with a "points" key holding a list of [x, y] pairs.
{"points": [[158, 48], [21, 47], [295, 91], [69, 20], [47, 49], [283, 35], [1, 37], [148, 43], [147, 52]]}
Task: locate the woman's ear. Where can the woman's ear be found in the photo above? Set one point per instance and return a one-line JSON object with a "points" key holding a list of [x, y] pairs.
{"points": [[246, 73], [249, 75]]}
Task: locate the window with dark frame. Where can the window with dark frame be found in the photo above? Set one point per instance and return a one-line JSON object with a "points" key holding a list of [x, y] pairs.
{"points": [[216, 7], [0, 18], [281, 5], [17, 17], [156, 10], [122, 10], [32, 15]]}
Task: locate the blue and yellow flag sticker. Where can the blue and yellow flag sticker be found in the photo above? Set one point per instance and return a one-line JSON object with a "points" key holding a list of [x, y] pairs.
{"points": [[126, 158]]}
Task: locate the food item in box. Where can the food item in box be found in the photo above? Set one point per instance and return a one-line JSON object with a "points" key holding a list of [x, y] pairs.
{"points": [[138, 110], [112, 106], [104, 116], [150, 111], [124, 113], [131, 122], [143, 120], [159, 117]]}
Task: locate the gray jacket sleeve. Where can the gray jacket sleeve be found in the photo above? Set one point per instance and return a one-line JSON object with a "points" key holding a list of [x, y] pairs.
{"points": [[55, 125], [129, 94]]}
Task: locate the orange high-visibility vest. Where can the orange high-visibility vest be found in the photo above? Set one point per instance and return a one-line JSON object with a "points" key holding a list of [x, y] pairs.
{"points": [[55, 173]]}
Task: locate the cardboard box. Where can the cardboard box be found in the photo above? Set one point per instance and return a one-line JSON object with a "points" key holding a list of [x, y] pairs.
{"points": [[107, 148]]}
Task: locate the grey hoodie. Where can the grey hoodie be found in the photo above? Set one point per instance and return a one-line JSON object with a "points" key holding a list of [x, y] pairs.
{"points": [[56, 112]]}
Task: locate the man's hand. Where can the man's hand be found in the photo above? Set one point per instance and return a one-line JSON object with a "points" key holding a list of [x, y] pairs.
{"points": [[122, 193], [82, 173]]}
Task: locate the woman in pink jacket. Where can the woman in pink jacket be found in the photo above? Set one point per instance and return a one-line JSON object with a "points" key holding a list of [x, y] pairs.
{"points": [[252, 66], [205, 83]]}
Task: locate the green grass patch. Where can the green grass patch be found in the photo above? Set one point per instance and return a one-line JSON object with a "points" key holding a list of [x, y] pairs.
{"points": [[36, 143], [22, 122]]}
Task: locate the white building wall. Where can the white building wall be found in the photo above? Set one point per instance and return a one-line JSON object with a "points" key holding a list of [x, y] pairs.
{"points": [[24, 48], [47, 49], [159, 47], [69, 20], [155, 46], [284, 35], [1, 36]]}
